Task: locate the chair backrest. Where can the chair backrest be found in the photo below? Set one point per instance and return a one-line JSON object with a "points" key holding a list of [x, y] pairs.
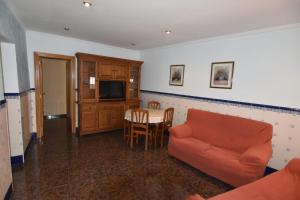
{"points": [[168, 117], [153, 105], [139, 118]]}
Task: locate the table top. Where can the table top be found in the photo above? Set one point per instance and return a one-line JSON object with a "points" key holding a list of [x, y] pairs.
{"points": [[155, 116]]}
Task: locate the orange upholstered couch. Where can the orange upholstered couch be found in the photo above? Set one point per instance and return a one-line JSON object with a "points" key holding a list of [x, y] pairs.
{"points": [[281, 185], [233, 149]]}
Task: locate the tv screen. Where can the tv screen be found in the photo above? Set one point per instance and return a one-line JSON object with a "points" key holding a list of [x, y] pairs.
{"points": [[112, 90]]}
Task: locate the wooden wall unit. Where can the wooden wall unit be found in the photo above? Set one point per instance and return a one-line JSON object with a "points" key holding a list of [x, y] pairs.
{"points": [[95, 114]]}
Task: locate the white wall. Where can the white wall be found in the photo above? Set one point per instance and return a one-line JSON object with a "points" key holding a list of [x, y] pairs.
{"points": [[55, 92], [267, 66], [10, 69], [1, 79], [49, 43]]}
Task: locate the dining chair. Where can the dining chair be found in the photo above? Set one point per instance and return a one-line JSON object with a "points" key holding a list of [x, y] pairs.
{"points": [[139, 125], [166, 124], [127, 127], [154, 105]]}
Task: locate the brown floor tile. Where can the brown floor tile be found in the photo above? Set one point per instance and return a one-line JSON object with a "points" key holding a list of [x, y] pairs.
{"points": [[102, 166]]}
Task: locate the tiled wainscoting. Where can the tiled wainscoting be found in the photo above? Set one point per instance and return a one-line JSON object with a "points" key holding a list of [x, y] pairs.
{"points": [[5, 166], [286, 123], [20, 124], [32, 118]]}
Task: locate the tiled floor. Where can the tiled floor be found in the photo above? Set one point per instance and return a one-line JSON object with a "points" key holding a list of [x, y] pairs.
{"points": [[102, 166]]}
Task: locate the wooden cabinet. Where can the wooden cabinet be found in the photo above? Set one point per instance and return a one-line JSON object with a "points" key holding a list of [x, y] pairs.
{"points": [[106, 71], [112, 70], [97, 115], [134, 82], [104, 119], [111, 115], [88, 118], [87, 81]]}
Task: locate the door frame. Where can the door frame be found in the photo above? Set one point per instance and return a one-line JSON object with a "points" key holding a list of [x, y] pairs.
{"points": [[39, 102]]}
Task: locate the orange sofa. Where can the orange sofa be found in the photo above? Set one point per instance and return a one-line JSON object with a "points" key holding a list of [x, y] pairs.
{"points": [[281, 185], [233, 149]]}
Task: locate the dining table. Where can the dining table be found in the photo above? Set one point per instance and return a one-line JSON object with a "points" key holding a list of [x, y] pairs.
{"points": [[156, 117]]}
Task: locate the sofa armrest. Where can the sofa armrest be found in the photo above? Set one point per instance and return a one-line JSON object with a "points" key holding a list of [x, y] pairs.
{"points": [[195, 197], [294, 166], [257, 155], [181, 131]]}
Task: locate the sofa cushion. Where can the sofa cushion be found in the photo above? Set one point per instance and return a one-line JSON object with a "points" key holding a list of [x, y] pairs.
{"points": [[192, 145]]}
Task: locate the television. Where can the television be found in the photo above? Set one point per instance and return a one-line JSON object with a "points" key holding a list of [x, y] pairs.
{"points": [[112, 90]]}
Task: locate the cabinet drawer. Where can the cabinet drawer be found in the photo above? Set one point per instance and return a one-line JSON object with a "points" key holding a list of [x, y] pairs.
{"points": [[88, 107]]}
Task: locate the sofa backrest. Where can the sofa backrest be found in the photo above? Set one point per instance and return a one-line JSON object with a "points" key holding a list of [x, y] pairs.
{"points": [[230, 132]]}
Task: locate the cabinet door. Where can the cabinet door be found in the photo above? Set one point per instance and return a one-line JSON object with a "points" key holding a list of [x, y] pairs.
{"points": [[104, 119], [134, 82], [89, 121], [120, 72], [117, 117], [87, 80], [106, 70]]}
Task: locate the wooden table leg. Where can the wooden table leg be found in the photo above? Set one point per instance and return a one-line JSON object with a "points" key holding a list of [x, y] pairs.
{"points": [[131, 139]]}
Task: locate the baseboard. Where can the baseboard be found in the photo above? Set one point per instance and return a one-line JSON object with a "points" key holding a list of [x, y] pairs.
{"points": [[33, 136], [270, 170], [17, 160], [8, 193]]}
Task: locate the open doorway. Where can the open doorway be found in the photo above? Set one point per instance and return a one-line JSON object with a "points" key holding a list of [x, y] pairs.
{"points": [[55, 89]]}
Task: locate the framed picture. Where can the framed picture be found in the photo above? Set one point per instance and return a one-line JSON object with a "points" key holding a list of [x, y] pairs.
{"points": [[176, 75], [221, 75]]}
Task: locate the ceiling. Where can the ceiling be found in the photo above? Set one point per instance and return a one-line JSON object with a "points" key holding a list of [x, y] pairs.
{"points": [[143, 22]]}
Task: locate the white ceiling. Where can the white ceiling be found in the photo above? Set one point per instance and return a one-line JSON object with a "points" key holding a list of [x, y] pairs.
{"points": [[143, 22]]}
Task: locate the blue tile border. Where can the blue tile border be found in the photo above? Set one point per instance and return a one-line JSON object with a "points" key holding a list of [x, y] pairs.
{"points": [[14, 94], [17, 160], [229, 102], [8, 193], [269, 170]]}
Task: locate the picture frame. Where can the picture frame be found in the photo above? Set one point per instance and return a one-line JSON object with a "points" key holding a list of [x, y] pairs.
{"points": [[221, 75], [176, 75]]}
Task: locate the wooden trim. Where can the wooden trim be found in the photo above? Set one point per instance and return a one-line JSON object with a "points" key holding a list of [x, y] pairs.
{"points": [[54, 56], [107, 57], [68, 95], [73, 94], [38, 95], [38, 56]]}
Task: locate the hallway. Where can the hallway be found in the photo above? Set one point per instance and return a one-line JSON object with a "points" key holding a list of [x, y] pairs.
{"points": [[102, 166]]}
